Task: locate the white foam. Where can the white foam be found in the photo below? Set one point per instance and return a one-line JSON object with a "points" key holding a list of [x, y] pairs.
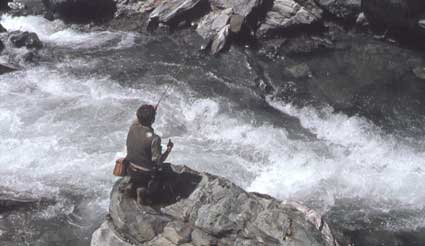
{"points": [[57, 33], [362, 162]]}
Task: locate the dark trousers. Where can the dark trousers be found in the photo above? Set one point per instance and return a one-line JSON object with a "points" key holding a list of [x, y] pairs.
{"points": [[146, 183]]}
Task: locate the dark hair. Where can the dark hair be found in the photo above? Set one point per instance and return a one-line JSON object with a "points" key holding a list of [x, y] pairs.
{"points": [[146, 114]]}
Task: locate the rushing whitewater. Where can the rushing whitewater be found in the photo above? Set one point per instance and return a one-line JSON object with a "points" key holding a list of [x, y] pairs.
{"points": [[63, 123]]}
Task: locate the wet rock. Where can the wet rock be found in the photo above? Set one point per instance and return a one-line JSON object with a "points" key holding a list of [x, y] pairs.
{"points": [[25, 39], [126, 8], [419, 72], [81, 11], [10, 201], [213, 23], [421, 24], [171, 12], [345, 9], [286, 14], [5, 69], [362, 20], [299, 71], [394, 13], [220, 40], [200, 209], [239, 7], [2, 29], [214, 28]]}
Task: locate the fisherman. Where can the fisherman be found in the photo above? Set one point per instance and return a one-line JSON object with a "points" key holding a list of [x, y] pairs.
{"points": [[144, 157]]}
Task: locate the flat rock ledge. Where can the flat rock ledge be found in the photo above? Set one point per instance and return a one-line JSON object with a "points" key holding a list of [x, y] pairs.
{"points": [[201, 209]]}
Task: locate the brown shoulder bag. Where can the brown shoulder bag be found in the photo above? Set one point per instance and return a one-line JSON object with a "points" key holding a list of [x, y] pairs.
{"points": [[120, 169]]}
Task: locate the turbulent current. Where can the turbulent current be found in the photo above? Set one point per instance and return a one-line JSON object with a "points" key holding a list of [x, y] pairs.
{"points": [[64, 121]]}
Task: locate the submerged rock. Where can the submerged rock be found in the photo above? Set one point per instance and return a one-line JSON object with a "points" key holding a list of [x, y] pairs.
{"points": [[25, 39], [200, 209]]}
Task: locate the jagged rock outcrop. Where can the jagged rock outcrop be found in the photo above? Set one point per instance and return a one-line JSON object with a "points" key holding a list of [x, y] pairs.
{"points": [[239, 7], [200, 209], [286, 14], [25, 39], [173, 11], [345, 9]]}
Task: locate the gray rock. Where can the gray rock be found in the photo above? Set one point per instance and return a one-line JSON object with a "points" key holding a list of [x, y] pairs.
{"points": [[169, 11], [106, 235], [299, 71], [236, 23], [345, 9], [201, 238], [2, 29], [213, 207], [419, 72], [421, 24], [177, 232], [10, 202], [220, 40], [287, 14], [394, 13], [25, 39], [211, 24], [240, 7], [362, 20]]}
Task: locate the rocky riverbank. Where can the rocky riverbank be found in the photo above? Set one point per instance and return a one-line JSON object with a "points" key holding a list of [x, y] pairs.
{"points": [[201, 209]]}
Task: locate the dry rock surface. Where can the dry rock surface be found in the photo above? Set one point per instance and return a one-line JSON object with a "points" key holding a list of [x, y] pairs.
{"points": [[200, 209]]}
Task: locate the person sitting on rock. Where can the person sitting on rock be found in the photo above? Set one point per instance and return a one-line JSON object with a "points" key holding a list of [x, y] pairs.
{"points": [[144, 156]]}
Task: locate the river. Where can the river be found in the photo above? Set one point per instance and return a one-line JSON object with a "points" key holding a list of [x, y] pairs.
{"points": [[64, 121]]}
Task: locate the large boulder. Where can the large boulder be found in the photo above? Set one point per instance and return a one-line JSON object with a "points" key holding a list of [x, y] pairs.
{"points": [[240, 7], [25, 39], [200, 209], [214, 28], [173, 11], [288, 14], [345, 9], [81, 11], [394, 13]]}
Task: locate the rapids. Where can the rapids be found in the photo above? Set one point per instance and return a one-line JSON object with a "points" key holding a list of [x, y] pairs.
{"points": [[64, 121]]}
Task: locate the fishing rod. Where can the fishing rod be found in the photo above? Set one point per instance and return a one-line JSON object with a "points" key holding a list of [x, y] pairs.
{"points": [[163, 95]]}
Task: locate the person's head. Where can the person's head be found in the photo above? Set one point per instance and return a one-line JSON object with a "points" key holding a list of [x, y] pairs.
{"points": [[146, 114]]}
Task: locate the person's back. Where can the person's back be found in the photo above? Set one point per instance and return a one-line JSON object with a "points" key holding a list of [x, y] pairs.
{"points": [[143, 146]]}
